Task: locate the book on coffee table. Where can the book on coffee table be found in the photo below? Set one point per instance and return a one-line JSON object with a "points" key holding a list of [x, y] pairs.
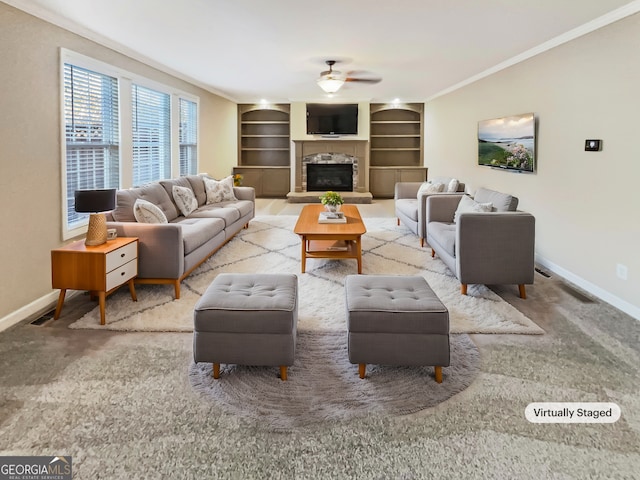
{"points": [[332, 217]]}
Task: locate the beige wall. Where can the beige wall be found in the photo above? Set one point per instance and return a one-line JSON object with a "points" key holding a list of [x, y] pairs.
{"points": [[30, 183], [587, 204]]}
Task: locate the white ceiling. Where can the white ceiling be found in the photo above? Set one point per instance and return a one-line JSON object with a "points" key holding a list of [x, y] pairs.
{"points": [[249, 50]]}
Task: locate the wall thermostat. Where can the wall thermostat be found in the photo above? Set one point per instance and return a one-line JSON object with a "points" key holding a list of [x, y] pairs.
{"points": [[592, 145]]}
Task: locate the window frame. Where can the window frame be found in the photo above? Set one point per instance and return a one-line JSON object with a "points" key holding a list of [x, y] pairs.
{"points": [[125, 80]]}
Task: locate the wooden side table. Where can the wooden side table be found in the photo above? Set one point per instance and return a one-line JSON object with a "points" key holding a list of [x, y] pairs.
{"points": [[100, 269]]}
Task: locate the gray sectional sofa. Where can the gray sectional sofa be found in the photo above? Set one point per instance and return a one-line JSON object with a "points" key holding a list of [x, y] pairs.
{"points": [[168, 252], [491, 247]]}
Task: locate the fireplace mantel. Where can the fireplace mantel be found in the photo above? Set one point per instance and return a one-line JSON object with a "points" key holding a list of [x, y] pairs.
{"points": [[355, 148]]}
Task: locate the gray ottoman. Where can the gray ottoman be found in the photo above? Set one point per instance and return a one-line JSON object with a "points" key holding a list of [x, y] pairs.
{"points": [[396, 320], [247, 320]]}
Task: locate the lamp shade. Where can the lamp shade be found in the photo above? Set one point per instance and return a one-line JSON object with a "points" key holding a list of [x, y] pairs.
{"points": [[92, 201], [330, 83]]}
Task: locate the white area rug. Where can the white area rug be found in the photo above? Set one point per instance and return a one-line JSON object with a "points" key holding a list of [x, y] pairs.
{"points": [[270, 246]]}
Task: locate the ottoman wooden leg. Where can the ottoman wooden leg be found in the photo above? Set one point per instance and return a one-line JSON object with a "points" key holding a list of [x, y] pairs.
{"points": [[216, 370], [438, 374], [362, 369], [283, 373]]}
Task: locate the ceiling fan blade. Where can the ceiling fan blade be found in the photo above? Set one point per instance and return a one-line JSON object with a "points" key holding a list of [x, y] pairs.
{"points": [[363, 80]]}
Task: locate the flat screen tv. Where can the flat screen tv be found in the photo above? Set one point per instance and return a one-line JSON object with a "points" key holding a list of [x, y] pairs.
{"points": [[332, 119], [508, 143]]}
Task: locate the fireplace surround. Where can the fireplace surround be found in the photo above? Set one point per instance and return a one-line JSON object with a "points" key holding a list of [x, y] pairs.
{"points": [[354, 152]]}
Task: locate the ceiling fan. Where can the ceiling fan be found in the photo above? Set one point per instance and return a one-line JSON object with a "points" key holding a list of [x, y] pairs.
{"points": [[332, 80]]}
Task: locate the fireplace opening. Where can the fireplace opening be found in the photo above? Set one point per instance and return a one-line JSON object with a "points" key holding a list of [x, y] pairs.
{"points": [[335, 176]]}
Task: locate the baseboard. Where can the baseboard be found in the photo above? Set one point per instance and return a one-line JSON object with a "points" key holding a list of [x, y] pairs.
{"points": [[40, 305], [587, 286]]}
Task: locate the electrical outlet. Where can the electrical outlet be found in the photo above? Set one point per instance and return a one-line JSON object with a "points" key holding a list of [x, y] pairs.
{"points": [[621, 271]]}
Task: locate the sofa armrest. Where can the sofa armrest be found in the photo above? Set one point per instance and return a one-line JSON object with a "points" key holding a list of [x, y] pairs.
{"points": [[406, 189], [495, 248], [160, 248], [245, 193], [442, 207]]}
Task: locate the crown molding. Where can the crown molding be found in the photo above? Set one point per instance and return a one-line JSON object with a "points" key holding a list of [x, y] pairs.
{"points": [[600, 22]]}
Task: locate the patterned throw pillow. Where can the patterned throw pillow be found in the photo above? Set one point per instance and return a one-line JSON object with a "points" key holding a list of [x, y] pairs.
{"points": [[219, 190], [469, 205], [453, 185], [185, 199], [147, 212], [428, 187]]}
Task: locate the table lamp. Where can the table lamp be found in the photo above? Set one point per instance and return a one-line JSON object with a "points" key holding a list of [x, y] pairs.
{"points": [[95, 202]]}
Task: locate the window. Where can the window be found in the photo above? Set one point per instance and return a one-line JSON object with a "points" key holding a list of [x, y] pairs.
{"points": [[188, 137], [151, 115], [91, 135], [120, 130]]}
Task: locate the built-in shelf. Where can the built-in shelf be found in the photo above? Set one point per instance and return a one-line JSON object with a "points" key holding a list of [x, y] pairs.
{"points": [[264, 148], [396, 134], [396, 147]]}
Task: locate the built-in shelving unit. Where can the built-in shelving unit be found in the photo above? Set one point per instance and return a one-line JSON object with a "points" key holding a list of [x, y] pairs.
{"points": [[264, 148], [396, 146]]}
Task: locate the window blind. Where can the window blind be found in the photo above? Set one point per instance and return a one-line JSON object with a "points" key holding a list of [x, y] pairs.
{"points": [[91, 134], [151, 116], [188, 137]]}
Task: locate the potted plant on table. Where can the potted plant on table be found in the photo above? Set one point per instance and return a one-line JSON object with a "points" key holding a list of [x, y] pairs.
{"points": [[332, 201]]}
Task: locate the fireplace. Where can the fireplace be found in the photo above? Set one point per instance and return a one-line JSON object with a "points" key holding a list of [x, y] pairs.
{"points": [[343, 154], [330, 176]]}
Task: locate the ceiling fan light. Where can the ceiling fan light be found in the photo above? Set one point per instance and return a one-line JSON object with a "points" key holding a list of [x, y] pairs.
{"points": [[330, 84]]}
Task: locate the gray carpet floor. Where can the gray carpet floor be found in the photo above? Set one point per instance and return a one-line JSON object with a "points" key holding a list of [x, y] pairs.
{"points": [[121, 405]]}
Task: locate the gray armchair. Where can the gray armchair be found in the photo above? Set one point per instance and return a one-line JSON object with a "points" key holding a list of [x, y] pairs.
{"points": [[491, 248], [411, 210]]}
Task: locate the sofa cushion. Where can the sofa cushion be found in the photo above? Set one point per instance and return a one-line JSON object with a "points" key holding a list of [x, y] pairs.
{"points": [[468, 205], [185, 200], [445, 235], [502, 202], [409, 207], [428, 187], [245, 207], [452, 186], [219, 190], [227, 213], [168, 185], [197, 232], [152, 192], [147, 212], [197, 185]]}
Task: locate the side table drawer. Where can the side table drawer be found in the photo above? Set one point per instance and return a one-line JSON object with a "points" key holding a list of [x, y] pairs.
{"points": [[121, 256], [122, 274]]}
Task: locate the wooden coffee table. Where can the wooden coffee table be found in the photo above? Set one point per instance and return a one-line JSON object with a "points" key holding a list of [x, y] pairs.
{"points": [[330, 240]]}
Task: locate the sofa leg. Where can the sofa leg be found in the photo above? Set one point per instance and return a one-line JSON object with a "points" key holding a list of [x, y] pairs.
{"points": [[216, 371], [433, 253], [438, 371], [422, 243], [463, 288], [176, 288], [246, 225], [398, 221], [362, 369], [523, 292], [283, 373]]}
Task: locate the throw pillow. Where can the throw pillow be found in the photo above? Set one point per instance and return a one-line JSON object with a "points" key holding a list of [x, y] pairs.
{"points": [[185, 199], [428, 187], [469, 205], [453, 185], [147, 212], [219, 190]]}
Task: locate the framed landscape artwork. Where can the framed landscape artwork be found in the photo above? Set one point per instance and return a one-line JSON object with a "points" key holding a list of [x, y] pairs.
{"points": [[508, 142]]}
